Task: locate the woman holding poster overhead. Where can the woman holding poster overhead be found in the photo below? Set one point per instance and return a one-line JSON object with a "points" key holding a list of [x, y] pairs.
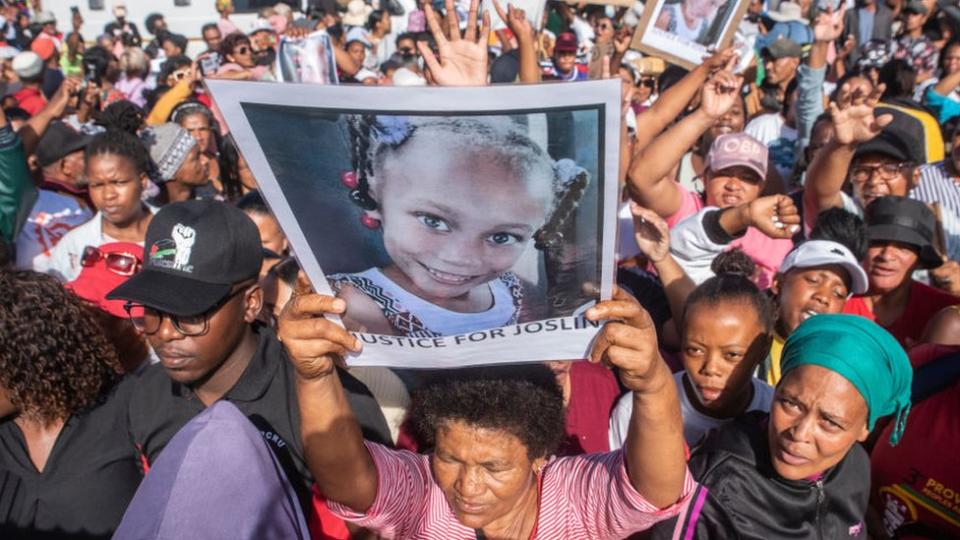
{"points": [[493, 431]]}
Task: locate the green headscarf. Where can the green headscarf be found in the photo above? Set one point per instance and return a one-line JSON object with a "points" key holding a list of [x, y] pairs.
{"points": [[865, 354]]}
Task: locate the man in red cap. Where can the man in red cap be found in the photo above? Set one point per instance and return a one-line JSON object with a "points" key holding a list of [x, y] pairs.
{"points": [[46, 49], [564, 65]]}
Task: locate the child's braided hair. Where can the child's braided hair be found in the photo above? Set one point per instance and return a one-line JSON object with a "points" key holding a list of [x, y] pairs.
{"points": [[372, 139]]}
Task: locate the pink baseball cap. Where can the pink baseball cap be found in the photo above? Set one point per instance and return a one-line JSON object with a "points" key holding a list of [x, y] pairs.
{"points": [[737, 149]]}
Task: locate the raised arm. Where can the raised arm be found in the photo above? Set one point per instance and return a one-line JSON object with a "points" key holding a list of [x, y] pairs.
{"points": [[775, 216], [853, 123], [654, 451], [516, 19], [332, 441], [463, 58], [827, 28], [653, 238], [647, 177], [672, 102]]}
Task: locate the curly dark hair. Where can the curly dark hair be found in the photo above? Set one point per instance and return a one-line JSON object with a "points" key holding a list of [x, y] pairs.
{"points": [[522, 400], [55, 360]]}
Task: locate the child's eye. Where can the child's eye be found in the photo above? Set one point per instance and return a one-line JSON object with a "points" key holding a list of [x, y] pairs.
{"points": [[433, 222], [504, 239]]}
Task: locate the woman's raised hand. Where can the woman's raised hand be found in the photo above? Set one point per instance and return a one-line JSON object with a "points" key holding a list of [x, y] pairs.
{"points": [[463, 59], [852, 114], [628, 341], [515, 19], [651, 233], [315, 344], [722, 90]]}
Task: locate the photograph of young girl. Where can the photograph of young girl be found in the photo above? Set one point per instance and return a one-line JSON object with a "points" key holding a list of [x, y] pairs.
{"points": [[433, 225], [684, 31]]}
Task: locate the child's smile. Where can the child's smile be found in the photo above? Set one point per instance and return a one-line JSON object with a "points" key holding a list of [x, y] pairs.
{"points": [[458, 223]]}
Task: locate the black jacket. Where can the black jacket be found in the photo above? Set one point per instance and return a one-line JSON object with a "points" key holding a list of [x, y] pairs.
{"points": [[740, 495], [265, 393]]}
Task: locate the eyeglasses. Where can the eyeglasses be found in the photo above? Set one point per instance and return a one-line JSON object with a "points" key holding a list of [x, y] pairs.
{"points": [[649, 83], [243, 49], [189, 325], [123, 264], [885, 171]]}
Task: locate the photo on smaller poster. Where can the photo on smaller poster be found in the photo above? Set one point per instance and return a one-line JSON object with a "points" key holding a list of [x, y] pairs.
{"points": [[462, 226], [683, 32]]}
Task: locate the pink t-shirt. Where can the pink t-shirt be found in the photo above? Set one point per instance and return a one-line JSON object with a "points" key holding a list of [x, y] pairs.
{"points": [[582, 497], [767, 252]]}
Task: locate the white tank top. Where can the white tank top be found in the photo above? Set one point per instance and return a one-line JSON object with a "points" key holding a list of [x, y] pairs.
{"points": [[413, 316]]}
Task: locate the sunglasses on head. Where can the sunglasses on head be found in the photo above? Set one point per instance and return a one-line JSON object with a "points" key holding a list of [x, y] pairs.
{"points": [[124, 264]]}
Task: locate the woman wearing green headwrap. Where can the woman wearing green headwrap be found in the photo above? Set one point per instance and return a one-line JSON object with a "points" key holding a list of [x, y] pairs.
{"points": [[799, 472]]}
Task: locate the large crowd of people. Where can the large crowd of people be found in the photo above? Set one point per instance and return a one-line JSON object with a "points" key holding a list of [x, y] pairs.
{"points": [[779, 358]]}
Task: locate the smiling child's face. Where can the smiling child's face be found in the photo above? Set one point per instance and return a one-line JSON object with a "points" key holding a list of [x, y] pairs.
{"points": [[454, 220]]}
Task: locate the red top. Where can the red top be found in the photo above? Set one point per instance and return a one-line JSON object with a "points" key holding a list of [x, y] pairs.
{"points": [[593, 393], [586, 496], [915, 486], [30, 100], [923, 304]]}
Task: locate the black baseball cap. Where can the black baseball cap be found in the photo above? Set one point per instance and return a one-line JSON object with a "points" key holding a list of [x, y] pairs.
{"points": [[59, 141], [783, 47], [195, 251], [902, 139], [900, 219], [915, 6]]}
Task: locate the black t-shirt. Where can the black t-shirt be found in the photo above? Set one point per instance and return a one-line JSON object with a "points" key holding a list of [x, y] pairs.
{"points": [[265, 393], [86, 484]]}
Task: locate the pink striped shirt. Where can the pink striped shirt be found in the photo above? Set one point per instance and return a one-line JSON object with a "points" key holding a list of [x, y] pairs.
{"points": [[588, 496]]}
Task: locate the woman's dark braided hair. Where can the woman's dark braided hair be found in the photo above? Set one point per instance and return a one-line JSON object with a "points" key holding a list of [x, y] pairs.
{"points": [[371, 140], [55, 360], [120, 138], [731, 282]]}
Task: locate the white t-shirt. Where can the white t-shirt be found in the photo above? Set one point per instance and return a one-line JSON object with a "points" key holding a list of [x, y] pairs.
{"points": [[678, 25], [696, 425], [779, 138], [65, 258], [424, 318], [52, 217]]}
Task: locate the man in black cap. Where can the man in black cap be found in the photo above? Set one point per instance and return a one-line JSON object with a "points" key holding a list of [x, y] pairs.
{"points": [[197, 300], [901, 233], [780, 61], [880, 155], [62, 200]]}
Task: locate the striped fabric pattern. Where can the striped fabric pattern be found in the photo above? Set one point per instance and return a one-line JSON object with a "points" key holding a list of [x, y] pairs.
{"points": [[938, 186], [583, 497]]}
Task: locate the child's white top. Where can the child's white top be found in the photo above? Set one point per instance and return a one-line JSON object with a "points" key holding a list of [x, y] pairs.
{"points": [[412, 316], [678, 25], [696, 425]]}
